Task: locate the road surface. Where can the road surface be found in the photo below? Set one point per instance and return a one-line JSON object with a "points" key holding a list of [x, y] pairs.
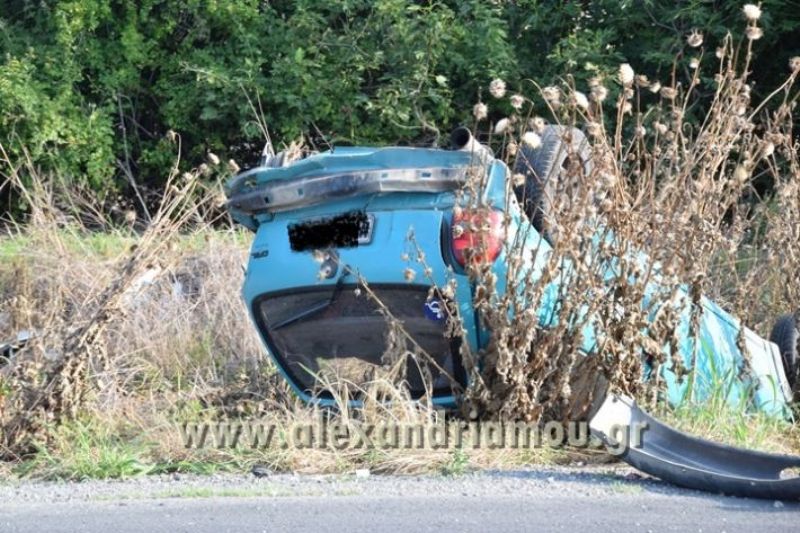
{"points": [[542, 499]]}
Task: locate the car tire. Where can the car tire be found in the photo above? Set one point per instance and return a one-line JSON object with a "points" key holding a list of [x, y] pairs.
{"points": [[786, 334], [544, 167]]}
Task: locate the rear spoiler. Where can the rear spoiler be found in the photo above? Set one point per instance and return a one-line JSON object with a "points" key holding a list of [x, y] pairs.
{"points": [[284, 195], [281, 185]]}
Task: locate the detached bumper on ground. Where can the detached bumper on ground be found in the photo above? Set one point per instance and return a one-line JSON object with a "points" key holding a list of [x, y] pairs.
{"points": [[695, 463]]}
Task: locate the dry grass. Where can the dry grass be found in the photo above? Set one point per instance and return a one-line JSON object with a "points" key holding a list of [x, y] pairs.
{"points": [[681, 194], [188, 355], [141, 330]]}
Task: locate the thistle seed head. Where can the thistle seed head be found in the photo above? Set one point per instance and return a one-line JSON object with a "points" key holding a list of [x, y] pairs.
{"points": [[695, 39], [751, 12], [497, 88], [625, 74]]}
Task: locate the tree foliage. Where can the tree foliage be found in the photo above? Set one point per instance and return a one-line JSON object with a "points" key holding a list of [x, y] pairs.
{"points": [[89, 89]]}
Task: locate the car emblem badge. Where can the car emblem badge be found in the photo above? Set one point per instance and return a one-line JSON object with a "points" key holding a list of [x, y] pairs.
{"points": [[434, 310]]}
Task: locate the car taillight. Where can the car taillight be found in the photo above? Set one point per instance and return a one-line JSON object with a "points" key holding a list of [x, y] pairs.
{"points": [[477, 235]]}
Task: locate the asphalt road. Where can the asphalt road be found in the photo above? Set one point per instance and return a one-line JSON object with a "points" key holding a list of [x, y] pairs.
{"points": [[540, 500]]}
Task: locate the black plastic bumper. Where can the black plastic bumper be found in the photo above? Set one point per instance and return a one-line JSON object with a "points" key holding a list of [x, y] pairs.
{"points": [[695, 463]]}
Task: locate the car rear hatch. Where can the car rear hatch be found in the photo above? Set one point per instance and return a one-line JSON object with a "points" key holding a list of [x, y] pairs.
{"points": [[324, 328], [326, 223]]}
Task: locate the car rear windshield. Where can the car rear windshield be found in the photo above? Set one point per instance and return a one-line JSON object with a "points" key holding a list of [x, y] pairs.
{"points": [[326, 337]]}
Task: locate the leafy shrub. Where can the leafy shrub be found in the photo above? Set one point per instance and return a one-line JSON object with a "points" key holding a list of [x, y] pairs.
{"points": [[91, 87]]}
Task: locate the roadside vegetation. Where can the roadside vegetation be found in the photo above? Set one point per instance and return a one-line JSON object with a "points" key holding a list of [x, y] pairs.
{"points": [[91, 88], [137, 324]]}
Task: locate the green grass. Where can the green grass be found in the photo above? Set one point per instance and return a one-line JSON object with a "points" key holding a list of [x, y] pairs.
{"points": [[89, 448], [94, 245], [458, 463], [722, 423], [105, 245], [12, 246], [85, 449]]}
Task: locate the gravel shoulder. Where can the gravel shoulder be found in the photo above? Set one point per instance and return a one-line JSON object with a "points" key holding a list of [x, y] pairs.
{"points": [[552, 499]]}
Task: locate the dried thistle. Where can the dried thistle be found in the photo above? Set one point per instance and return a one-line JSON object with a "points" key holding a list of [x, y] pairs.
{"points": [[580, 101], [751, 12], [502, 126], [531, 139], [497, 88], [754, 33], [480, 111], [695, 38], [625, 74]]}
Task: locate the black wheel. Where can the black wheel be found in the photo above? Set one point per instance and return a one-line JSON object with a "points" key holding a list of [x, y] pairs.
{"points": [[786, 335], [545, 166]]}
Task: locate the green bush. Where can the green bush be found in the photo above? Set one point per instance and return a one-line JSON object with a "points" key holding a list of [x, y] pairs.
{"points": [[91, 87]]}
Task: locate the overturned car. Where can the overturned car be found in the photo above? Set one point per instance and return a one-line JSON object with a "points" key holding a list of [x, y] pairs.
{"points": [[326, 222]]}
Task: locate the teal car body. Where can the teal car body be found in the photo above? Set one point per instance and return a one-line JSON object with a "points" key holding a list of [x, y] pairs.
{"points": [[301, 292]]}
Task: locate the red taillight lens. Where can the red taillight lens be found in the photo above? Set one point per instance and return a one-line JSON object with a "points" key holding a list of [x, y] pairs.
{"points": [[477, 235]]}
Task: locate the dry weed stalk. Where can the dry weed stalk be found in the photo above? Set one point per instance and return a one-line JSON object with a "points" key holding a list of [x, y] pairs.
{"points": [[661, 203], [683, 193], [46, 389], [643, 221]]}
